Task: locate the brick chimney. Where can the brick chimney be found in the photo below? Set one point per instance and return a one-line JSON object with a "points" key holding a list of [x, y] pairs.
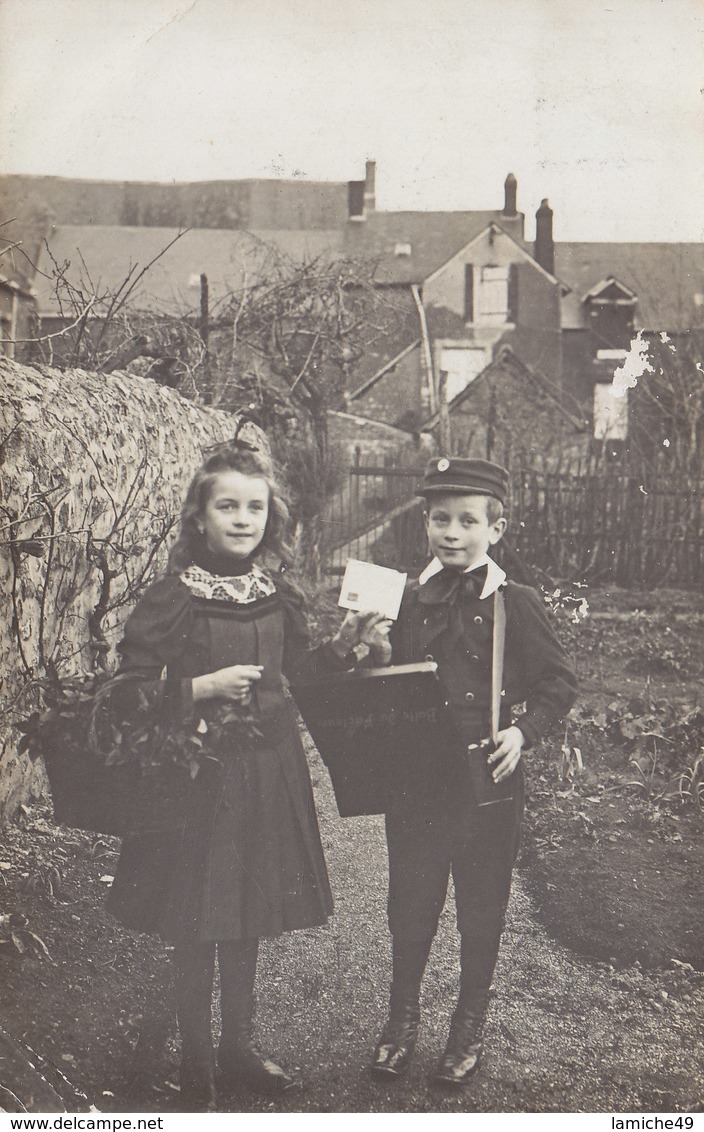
{"points": [[544, 248], [370, 187], [510, 195]]}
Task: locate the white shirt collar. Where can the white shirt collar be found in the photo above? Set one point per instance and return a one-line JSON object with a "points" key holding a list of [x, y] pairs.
{"points": [[495, 576]]}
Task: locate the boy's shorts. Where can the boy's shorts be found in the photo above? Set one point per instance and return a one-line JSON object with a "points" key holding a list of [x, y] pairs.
{"points": [[477, 845]]}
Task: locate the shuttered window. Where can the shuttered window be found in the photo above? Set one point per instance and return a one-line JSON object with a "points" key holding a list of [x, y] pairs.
{"points": [[490, 294], [492, 300]]}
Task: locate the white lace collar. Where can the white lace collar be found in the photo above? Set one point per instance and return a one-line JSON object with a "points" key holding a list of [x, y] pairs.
{"points": [[240, 588]]}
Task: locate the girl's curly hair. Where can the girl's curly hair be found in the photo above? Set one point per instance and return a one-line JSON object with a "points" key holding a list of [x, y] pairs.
{"points": [[233, 457]]}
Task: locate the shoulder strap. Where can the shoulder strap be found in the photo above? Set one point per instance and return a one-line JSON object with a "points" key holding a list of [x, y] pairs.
{"points": [[497, 661]]}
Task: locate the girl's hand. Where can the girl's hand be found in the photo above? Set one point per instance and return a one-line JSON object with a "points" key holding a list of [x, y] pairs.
{"points": [[353, 631], [511, 741], [234, 683]]}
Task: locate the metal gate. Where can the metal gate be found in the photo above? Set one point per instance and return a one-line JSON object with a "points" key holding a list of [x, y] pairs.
{"points": [[378, 517]]}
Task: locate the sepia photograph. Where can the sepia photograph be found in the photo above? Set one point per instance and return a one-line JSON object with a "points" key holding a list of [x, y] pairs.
{"points": [[351, 561]]}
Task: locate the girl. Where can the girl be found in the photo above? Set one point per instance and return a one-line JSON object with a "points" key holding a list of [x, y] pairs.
{"points": [[246, 861]]}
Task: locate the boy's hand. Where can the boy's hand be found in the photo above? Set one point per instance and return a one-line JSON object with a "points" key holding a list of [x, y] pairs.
{"points": [[357, 629], [508, 751], [376, 636]]}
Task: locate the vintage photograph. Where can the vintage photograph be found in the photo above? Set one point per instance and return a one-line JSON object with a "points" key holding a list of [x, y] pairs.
{"points": [[351, 559]]}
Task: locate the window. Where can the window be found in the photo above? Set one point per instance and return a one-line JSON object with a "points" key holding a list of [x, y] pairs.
{"points": [[611, 355], [461, 364], [610, 414], [490, 295]]}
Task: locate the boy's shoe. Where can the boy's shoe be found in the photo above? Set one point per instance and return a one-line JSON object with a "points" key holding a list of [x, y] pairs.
{"points": [[465, 1044], [397, 1042]]}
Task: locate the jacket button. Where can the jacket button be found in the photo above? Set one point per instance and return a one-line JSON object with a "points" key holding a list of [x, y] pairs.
{"points": [[469, 696], [503, 691], [430, 658], [475, 656], [478, 620]]}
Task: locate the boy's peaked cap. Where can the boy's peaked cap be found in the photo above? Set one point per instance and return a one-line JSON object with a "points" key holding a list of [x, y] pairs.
{"points": [[454, 476]]}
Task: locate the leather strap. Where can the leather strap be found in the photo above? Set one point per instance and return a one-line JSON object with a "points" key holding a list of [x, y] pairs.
{"points": [[497, 662]]}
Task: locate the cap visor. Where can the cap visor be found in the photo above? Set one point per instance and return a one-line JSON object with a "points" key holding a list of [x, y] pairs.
{"points": [[456, 489]]}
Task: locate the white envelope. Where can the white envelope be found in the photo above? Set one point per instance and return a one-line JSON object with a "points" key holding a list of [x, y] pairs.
{"points": [[366, 587]]}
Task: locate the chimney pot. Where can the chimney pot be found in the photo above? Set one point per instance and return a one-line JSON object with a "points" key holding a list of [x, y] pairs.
{"points": [[544, 248], [510, 195]]}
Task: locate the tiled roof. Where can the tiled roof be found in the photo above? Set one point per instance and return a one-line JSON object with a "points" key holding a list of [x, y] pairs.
{"points": [[433, 237], [172, 283], [665, 277]]}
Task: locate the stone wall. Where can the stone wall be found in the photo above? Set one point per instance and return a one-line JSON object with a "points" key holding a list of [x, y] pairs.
{"points": [[92, 472]]}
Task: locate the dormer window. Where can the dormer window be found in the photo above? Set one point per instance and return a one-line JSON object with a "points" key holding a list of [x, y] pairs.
{"points": [[611, 307], [611, 292]]}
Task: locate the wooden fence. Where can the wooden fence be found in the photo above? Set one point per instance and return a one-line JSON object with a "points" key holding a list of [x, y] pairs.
{"points": [[604, 527]]}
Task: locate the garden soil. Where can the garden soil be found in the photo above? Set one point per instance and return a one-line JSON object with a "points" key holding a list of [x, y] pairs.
{"points": [[599, 991]]}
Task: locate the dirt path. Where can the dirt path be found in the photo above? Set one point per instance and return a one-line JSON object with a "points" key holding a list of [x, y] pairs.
{"points": [[565, 1034]]}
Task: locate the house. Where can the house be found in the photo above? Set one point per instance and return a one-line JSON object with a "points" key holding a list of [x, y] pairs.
{"points": [[458, 288], [568, 312], [616, 291], [18, 319], [18, 324]]}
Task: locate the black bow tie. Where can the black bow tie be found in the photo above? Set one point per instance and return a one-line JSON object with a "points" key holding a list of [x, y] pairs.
{"points": [[452, 585]]}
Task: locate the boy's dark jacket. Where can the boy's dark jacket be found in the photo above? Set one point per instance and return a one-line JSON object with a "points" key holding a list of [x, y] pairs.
{"points": [[453, 626]]}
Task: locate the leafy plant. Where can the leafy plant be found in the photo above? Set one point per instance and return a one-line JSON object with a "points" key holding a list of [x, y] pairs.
{"points": [[115, 761], [692, 781], [81, 713]]}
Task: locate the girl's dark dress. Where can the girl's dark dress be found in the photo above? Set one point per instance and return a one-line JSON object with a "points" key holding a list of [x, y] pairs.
{"points": [[247, 860]]}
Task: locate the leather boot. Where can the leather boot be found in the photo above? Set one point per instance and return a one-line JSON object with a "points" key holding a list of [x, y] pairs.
{"points": [[465, 1043], [398, 1039], [240, 1061], [195, 964]]}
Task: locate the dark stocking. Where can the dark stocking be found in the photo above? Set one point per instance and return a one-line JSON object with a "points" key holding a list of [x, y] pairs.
{"points": [[195, 965], [239, 1059], [237, 962]]}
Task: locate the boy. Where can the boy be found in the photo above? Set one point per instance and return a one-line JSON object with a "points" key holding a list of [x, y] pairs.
{"points": [[448, 616]]}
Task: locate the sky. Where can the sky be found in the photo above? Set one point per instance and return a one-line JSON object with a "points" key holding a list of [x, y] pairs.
{"points": [[597, 105]]}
